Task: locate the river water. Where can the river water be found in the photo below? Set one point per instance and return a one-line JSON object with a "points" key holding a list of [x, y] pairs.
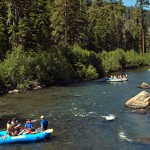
{"points": [[75, 113]]}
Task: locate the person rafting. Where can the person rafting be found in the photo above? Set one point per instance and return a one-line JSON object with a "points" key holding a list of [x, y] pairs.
{"points": [[16, 124], [43, 123], [10, 128], [29, 124], [28, 128]]}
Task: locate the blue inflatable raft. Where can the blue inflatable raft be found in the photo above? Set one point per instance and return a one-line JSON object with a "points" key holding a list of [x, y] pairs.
{"points": [[24, 137]]}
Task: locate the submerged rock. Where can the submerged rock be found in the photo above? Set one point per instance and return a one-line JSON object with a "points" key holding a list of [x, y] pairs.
{"points": [[140, 111], [140, 101], [144, 140]]}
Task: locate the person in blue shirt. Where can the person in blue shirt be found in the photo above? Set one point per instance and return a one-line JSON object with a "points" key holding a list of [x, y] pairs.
{"points": [[28, 124], [28, 128], [43, 123]]}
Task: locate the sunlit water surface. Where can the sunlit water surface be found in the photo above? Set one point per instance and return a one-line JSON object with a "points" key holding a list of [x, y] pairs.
{"points": [[75, 113]]}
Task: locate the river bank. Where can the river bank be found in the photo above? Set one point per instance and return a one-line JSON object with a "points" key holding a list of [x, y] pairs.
{"points": [[35, 85]]}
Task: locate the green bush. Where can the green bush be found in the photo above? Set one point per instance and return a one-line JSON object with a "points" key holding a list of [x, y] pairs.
{"points": [[19, 68], [111, 61], [13, 69], [133, 59], [91, 73], [146, 58], [86, 73], [80, 54], [87, 64], [61, 66], [50, 67]]}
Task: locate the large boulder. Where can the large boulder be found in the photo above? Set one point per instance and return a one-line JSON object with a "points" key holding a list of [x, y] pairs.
{"points": [[140, 101], [144, 86]]}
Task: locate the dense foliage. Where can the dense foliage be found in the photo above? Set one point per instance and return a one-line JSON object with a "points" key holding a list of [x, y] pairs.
{"points": [[60, 41]]}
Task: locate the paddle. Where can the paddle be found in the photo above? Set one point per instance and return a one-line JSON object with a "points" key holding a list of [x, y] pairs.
{"points": [[49, 130]]}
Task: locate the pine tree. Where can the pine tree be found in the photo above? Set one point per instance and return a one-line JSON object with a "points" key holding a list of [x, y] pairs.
{"points": [[40, 24], [69, 22], [106, 23], [3, 29]]}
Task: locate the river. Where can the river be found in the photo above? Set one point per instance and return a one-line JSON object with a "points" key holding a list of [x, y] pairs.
{"points": [[75, 113]]}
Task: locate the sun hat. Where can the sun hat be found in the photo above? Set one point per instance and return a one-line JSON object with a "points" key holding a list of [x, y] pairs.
{"points": [[42, 117]]}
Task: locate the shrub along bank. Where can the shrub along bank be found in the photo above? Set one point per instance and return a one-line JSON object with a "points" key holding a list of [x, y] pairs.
{"points": [[63, 65]]}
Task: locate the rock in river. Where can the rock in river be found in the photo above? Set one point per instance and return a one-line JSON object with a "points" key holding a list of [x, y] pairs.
{"points": [[140, 101], [144, 86]]}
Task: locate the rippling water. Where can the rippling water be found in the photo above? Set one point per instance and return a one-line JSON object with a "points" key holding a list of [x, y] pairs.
{"points": [[75, 112]]}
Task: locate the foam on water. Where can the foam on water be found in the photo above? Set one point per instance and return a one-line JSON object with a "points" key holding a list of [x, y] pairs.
{"points": [[109, 117], [122, 136]]}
